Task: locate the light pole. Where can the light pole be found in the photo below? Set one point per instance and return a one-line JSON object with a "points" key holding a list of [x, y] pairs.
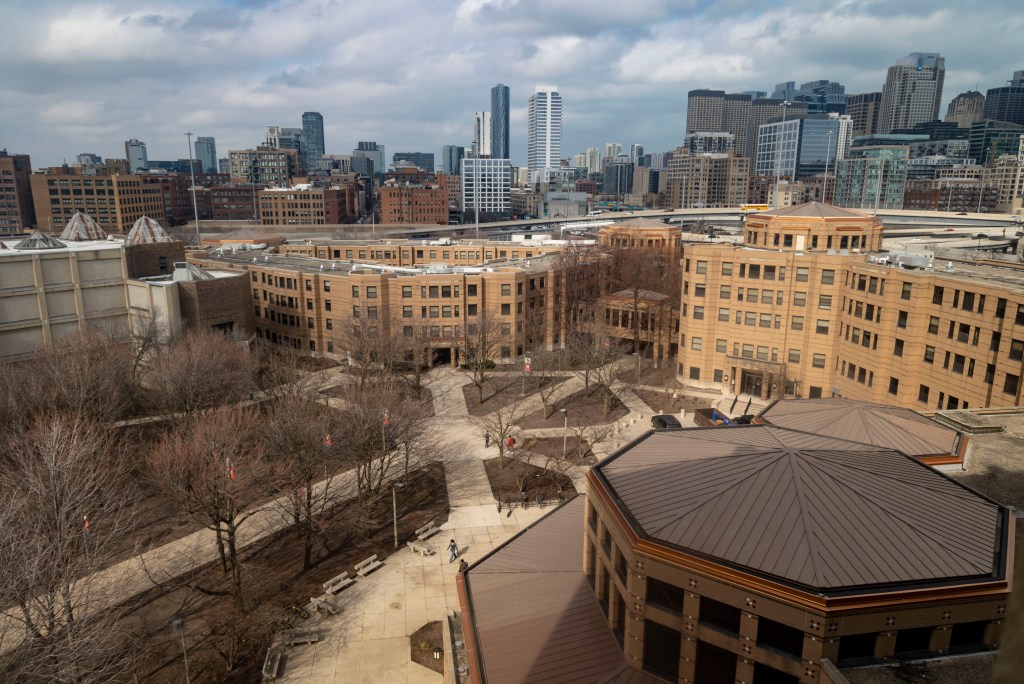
{"points": [[179, 625], [394, 507], [192, 170], [778, 152], [638, 357], [565, 431], [828, 153]]}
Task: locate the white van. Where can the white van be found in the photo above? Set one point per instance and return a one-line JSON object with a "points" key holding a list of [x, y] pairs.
{"points": [[596, 212]]}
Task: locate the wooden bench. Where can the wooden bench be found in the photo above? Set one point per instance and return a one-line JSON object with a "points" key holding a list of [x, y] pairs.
{"points": [[291, 637], [367, 566], [421, 549], [425, 532], [322, 605], [333, 586], [272, 663]]}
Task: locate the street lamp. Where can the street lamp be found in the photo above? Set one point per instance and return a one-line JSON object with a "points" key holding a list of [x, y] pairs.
{"points": [[565, 431], [192, 170], [179, 625], [638, 357], [394, 507]]}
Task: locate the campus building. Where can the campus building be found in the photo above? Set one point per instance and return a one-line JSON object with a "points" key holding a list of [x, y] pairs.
{"points": [[808, 306], [745, 554]]}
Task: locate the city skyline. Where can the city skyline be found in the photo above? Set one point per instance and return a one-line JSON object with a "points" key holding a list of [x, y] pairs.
{"points": [[227, 70]]}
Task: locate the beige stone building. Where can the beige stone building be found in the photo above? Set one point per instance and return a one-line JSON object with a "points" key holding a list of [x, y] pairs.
{"points": [[707, 180], [116, 201], [809, 307]]}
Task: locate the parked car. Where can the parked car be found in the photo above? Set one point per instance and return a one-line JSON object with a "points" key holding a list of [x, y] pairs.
{"points": [[665, 421]]}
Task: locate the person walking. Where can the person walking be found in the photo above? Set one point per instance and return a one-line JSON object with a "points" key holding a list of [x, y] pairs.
{"points": [[454, 548], [463, 565], [487, 439]]}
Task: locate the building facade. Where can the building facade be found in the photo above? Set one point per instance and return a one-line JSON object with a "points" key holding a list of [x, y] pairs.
{"points": [[1007, 102], [420, 160], [872, 177], [409, 203], [266, 166], [135, 153], [313, 138], [912, 91], [863, 109], [966, 108], [451, 159], [116, 202], [486, 185], [500, 109], [305, 205], [482, 134], [706, 180], [206, 154], [17, 211]]}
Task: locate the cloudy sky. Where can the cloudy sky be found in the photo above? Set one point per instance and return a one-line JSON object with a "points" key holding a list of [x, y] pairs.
{"points": [[85, 76]]}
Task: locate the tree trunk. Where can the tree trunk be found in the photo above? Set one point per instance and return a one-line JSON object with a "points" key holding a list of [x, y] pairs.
{"points": [[220, 549], [236, 568]]}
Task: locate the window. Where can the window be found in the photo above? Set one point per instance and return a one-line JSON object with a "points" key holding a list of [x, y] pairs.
{"points": [[698, 290], [506, 289], [825, 302], [958, 363], [1019, 320], [702, 267], [471, 309], [933, 325], [723, 315], [755, 271], [748, 351], [797, 323], [818, 360], [1017, 350], [749, 318], [327, 305], [327, 286], [856, 648], [355, 292], [329, 323], [894, 385], [718, 375], [435, 311], [1011, 384], [901, 320], [726, 268], [721, 346], [720, 615], [725, 292], [696, 343], [922, 394], [897, 348], [937, 293], [471, 290], [698, 313], [1000, 307], [665, 596], [905, 292], [913, 642], [801, 274], [821, 327], [828, 277], [694, 373], [752, 294], [506, 309], [766, 296], [799, 298], [779, 637], [794, 356], [371, 292], [661, 650], [406, 312]]}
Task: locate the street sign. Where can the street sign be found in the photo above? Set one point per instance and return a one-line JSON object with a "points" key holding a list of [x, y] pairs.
{"points": [[387, 417], [526, 363]]}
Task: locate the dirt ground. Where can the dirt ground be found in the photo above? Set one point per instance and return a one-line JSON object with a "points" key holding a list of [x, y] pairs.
{"points": [[345, 391], [577, 450], [422, 643], [663, 402], [516, 481], [274, 577], [309, 363], [502, 390], [586, 407]]}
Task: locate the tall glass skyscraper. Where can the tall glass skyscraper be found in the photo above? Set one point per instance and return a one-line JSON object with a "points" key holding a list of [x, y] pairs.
{"points": [[451, 158], [206, 154], [499, 122], [544, 130], [312, 137]]}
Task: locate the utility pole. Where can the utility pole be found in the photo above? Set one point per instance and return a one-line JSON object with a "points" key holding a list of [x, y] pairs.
{"points": [[192, 170]]}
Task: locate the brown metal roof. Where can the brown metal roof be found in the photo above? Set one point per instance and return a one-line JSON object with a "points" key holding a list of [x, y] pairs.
{"points": [[535, 617], [807, 509], [815, 210], [878, 424]]}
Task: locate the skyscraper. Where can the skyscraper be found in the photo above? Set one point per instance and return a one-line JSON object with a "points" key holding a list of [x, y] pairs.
{"points": [[612, 150], [1006, 103], [135, 153], [372, 151], [736, 109], [863, 109], [421, 160], [544, 130], [912, 92], [822, 96], [206, 154], [712, 111], [482, 134], [313, 137], [451, 159], [593, 159], [966, 108], [499, 122], [636, 153]]}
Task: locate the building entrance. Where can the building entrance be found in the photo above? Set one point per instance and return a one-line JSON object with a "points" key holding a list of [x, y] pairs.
{"points": [[751, 383]]}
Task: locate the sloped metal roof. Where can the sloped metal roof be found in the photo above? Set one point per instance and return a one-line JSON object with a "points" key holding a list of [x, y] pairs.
{"points": [[82, 227], [815, 210], [39, 240], [535, 617], [878, 424], [811, 510], [147, 230]]}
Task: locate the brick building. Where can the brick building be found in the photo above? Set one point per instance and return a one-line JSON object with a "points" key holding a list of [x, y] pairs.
{"points": [[306, 205], [115, 201], [405, 202], [266, 166], [17, 212]]}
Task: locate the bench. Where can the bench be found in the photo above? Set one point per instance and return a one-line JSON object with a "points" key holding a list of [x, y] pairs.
{"points": [[291, 637], [322, 605], [425, 532], [421, 549], [272, 663], [367, 566], [333, 586]]}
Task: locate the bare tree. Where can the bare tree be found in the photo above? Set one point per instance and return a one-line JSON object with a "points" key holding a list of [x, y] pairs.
{"points": [[200, 369], [501, 423], [66, 512], [484, 340], [216, 470], [411, 343], [368, 347], [545, 375]]}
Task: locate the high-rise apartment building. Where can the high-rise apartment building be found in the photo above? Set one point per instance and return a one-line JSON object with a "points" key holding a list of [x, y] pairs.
{"points": [[206, 154], [736, 111], [421, 160], [822, 97], [863, 109], [966, 108], [373, 152], [487, 184], [767, 110], [499, 122], [135, 153], [593, 159], [706, 180], [612, 150], [17, 212], [798, 148], [990, 138], [872, 177], [1006, 103], [544, 130], [698, 143], [482, 134], [704, 110], [618, 176], [282, 138], [636, 154], [451, 159], [912, 92], [312, 138]]}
